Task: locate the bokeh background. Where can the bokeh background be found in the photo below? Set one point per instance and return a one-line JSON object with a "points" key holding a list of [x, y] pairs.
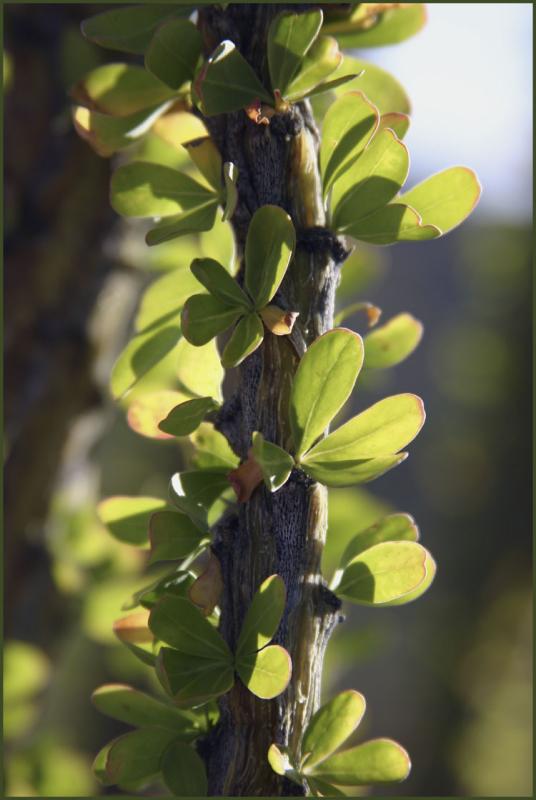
{"points": [[449, 676]]}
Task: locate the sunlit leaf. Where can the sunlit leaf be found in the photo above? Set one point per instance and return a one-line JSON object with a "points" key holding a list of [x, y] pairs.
{"points": [[266, 673], [321, 788], [378, 85], [133, 628], [289, 38], [348, 126], [120, 90], [371, 181], [333, 359], [331, 725], [395, 527], [179, 623], [130, 28], [279, 760], [263, 616], [199, 369], [178, 127], [146, 412], [151, 190], [212, 448], [446, 198], [383, 573], [230, 177], [348, 473], [193, 220], [431, 569], [278, 321], [316, 67], [392, 223], [270, 244], [136, 708], [172, 536], [396, 121], [219, 283], [137, 754], [184, 418], [205, 316], [173, 52], [163, 300], [192, 680], [107, 134], [375, 29], [275, 463], [207, 159], [127, 518], [245, 339], [140, 355], [393, 342], [183, 771], [193, 492], [376, 761], [227, 82], [373, 313]]}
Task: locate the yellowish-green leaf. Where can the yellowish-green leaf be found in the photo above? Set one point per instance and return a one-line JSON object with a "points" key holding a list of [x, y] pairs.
{"points": [[199, 369], [395, 527], [130, 28], [127, 518], [320, 62], [205, 316], [270, 244], [219, 283], [348, 473], [212, 449], [173, 52], [371, 182], [227, 82], [320, 788], [177, 622], [193, 220], [290, 37], [431, 569], [348, 126], [183, 771], [383, 573], [207, 159], [143, 352], [136, 708], [275, 463], [147, 411], [245, 339], [393, 342], [107, 134], [163, 300], [172, 536], [263, 616], [396, 121], [266, 673], [378, 85], [446, 198], [279, 760], [376, 761], [324, 379], [178, 127], [191, 680], [365, 27], [392, 223], [120, 90], [331, 725]]}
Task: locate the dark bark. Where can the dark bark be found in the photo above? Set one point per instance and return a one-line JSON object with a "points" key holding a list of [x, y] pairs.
{"points": [[284, 532]]}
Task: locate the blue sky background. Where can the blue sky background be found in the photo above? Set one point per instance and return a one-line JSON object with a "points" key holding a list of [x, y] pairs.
{"points": [[469, 76]]}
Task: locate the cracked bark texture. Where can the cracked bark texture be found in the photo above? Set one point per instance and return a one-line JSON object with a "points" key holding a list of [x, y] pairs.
{"points": [[283, 532]]}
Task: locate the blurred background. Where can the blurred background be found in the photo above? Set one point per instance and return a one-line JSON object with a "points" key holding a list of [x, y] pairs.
{"points": [[449, 676]]}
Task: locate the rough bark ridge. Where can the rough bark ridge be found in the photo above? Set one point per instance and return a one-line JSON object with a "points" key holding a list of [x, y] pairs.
{"points": [[283, 532]]}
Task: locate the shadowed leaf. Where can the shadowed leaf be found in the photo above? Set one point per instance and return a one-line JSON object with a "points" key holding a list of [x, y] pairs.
{"points": [[142, 353], [120, 90], [289, 38], [275, 463], [263, 616], [127, 518], [136, 708], [205, 316], [172, 536], [173, 52], [266, 673], [183, 771], [179, 623], [245, 339], [183, 419], [392, 223], [227, 82], [316, 67], [270, 244], [348, 473], [191, 680], [376, 761], [219, 283]]}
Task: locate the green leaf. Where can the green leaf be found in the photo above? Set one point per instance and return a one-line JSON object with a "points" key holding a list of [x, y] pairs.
{"points": [[172, 536], [127, 518], [348, 126], [347, 473], [378, 85], [177, 622], [270, 243], [193, 220], [383, 573], [212, 449], [120, 90], [329, 86], [318, 64], [130, 28], [324, 379], [186, 417], [207, 159], [99, 764], [219, 283], [183, 771], [276, 464], [176, 583], [193, 492], [431, 569], [396, 121], [390, 27], [245, 339], [205, 316], [191, 680], [137, 755], [173, 52], [322, 788], [371, 182], [146, 657], [290, 37], [376, 761], [382, 429], [142, 353], [107, 134], [163, 300], [331, 725], [147, 411], [150, 190], [199, 369], [393, 342], [393, 528], [263, 616], [393, 223], [227, 82], [446, 198], [266, 673], [136, 708], [230, 177]]}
